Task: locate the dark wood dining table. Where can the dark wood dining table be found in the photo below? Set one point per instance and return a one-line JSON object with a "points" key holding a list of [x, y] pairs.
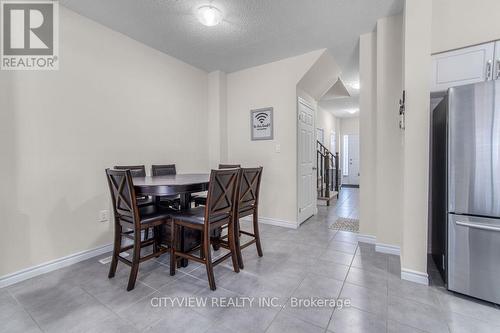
{"points": [[183, 185]]}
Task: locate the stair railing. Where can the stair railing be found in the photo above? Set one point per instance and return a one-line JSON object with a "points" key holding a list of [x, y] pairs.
{"points": [[326, 162]]}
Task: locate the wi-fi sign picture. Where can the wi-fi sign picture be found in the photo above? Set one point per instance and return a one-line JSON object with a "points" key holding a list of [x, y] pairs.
{"points": [[261, 117], [261, 122]]}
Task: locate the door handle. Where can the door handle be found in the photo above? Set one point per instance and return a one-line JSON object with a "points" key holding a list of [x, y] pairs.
{"points": [[477, 226], [314, 168], [497, 69], [488, 70]]}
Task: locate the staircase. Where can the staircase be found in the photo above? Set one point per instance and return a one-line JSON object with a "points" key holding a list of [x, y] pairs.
{"points": [[327, 173]]}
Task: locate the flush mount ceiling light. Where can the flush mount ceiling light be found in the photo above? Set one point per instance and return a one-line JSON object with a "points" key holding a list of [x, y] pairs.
{"points": [[209, 15], [352, 111], [354, 85]]}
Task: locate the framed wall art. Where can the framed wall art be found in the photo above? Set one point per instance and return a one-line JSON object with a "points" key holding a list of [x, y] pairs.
{"points": [[261, 122]]}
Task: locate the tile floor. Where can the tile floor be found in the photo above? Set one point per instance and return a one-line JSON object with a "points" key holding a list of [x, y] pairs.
{"points": [[313, 261]]}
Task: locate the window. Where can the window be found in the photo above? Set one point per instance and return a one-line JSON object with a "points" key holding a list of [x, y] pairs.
{"points": [[345, 158], [333, 142], [320, 135]]}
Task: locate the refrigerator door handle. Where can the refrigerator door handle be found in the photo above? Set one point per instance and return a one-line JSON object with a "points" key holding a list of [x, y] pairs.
{"points": [[488, 70], [477, 226], [497, 75]]}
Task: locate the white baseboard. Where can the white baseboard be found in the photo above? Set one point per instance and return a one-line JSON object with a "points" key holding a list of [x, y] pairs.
{"points": [[369, 239], [380, 247], [52, 265], [414, 276], [275, 222], [388, 249]]}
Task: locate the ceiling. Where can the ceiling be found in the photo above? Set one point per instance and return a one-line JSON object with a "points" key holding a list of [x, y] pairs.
{"points": [[340, 106], [253, 32]]}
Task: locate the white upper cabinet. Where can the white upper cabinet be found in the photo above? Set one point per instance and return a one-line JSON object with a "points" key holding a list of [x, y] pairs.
{"points": [[468, 65]]}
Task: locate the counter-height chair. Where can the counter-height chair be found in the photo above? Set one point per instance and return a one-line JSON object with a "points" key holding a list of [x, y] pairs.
{"points": [[229, 166], [172, 201], [137, 171], [201, 200], [142, 200], [163, 169], [220, 210], [130, 220], [248, 204]]}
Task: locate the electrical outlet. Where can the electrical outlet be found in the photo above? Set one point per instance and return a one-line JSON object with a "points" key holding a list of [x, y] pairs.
{"points": [[103, 216], [278, 148]]}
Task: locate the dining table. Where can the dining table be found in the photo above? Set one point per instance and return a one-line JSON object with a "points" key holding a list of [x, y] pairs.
{"points": [[183, 185]]}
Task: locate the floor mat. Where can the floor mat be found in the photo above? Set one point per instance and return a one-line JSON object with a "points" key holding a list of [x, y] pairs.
{"points": [[345, 224]]}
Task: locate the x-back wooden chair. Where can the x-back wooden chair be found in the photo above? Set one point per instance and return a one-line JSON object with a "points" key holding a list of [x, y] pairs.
{"points": [[163, 169], [130, 220], [172, 201], [201, 200], [137, 171], [219, 211], [248, 204]]}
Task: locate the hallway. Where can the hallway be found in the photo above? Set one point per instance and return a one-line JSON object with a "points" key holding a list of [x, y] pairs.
{"points": [[347, 206]]}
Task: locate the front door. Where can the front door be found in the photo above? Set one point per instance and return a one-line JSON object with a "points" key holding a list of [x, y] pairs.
{"points": [[353, 177], [307, 176]]}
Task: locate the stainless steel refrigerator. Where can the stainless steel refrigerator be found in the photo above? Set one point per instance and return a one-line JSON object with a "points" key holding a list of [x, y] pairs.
{"points": [[465, 191]]}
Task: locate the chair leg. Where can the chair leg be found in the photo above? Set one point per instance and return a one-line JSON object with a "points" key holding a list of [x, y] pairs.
{"points": [[237, 243], [202, 250], [135, 260], [256, 233], [116, 250], [156, 247], [231, 235], [208, 260], [173, 244]]}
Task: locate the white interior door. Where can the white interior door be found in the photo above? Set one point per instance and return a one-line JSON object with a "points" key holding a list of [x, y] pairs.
{"points": [[306, 161], [353, 158]]}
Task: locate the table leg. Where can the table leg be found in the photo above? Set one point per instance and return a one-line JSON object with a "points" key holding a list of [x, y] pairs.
{"points": [[185, 200]]}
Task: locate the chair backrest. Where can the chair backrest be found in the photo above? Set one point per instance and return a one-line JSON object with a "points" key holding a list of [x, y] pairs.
{"points": [[135, 170], [249, 188], [229, 166], [163, 170], [123, 196], [222, 196]]}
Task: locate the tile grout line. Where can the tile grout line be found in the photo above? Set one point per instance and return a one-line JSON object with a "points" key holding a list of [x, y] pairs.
{"points": [[25, 310], [286, 300], [342, 288], [106, 306]]}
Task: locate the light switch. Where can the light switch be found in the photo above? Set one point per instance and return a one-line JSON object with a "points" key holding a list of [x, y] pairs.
{"points": [[278, 148]]}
